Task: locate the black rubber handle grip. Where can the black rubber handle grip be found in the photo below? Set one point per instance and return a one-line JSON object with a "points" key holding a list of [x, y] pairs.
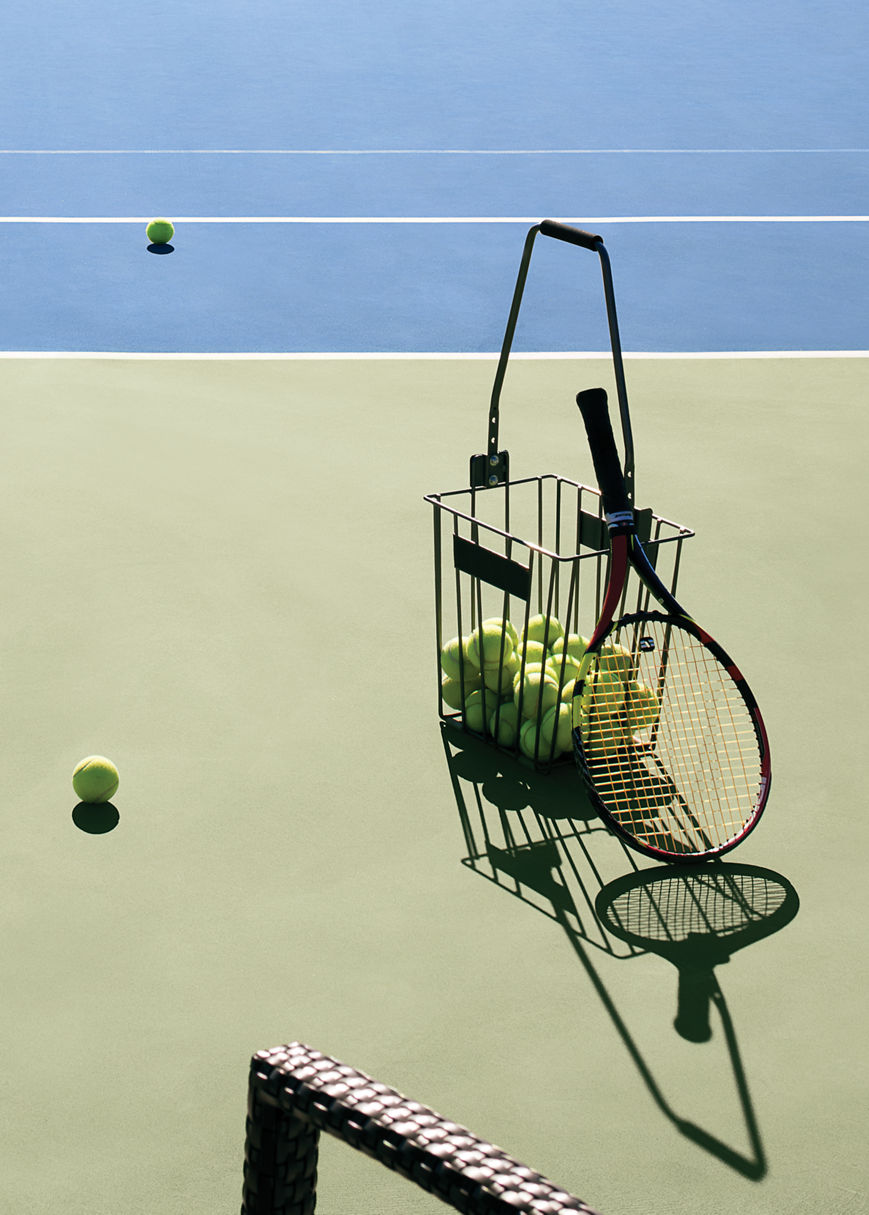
{"points": [[573, 236], [608, 470]]}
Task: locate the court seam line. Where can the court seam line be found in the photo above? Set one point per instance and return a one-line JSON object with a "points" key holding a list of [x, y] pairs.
{"points": [[429, 151], [436, 219], [342, 355]]}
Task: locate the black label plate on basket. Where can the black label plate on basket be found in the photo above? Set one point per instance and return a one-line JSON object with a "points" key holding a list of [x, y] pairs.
{"points": [[498, 571]]}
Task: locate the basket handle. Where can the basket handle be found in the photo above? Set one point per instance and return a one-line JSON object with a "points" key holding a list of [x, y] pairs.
{"points": [[491, 469]]}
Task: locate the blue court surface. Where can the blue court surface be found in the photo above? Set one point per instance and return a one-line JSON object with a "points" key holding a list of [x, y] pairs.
{"points": [[219, 570], [353, 181]]}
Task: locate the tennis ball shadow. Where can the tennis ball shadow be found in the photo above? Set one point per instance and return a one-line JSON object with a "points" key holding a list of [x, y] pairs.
{"points": [[160, 250], [95, 819]]}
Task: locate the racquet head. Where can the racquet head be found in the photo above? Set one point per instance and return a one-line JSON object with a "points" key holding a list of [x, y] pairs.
{"points": [[666, 731]]}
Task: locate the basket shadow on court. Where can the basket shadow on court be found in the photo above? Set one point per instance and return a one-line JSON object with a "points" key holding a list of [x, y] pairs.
{"points": [[535, 836]]}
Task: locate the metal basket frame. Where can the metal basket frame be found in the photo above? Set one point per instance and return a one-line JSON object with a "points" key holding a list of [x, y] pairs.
{"points": [[539, 563]]}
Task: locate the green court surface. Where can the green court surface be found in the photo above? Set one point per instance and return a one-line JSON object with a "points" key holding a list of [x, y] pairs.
{"points": [[220, 574]]}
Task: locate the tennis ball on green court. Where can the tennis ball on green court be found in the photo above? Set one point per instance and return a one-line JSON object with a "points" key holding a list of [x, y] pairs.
{"points": [[454, 691], [545, 629], [454, 653], [507, 728], [95, 779], [160, 231], [536, 693], [490, 644], [641, 706], [557, 721]]}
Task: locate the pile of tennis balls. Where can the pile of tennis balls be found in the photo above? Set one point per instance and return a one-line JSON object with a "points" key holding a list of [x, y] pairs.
{"points": [[520, 689]]}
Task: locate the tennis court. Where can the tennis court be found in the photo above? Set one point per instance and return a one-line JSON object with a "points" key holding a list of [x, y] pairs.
{"points": [[218, 570]]}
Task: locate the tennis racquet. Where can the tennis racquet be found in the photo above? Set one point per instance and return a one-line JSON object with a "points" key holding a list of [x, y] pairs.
{"points": [[666, 733]]}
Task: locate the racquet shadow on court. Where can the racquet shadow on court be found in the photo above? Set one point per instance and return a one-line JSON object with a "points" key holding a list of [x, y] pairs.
{"points": [[536, 836]]}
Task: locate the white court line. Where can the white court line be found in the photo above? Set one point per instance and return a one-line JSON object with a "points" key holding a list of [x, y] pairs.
{"points": [[429, 151], [437, 219], [375, 356]]}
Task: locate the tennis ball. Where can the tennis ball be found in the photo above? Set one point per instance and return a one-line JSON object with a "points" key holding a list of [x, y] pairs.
{"points": [[507, 729], [616, 659], [564, 665], [454, 691], [641, 707], [536, 693], [500, 678], [475, 710], [532, 651], [557, 721], [603, 734], [574, 643], [160, 231], [490, 644], [567, 691], [95, 779], [454, 653], [545, 629], [506, 625], [608, 692], [528, 739]]}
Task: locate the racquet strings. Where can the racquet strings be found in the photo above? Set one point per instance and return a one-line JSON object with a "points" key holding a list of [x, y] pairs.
{"points": [[688, 781]]}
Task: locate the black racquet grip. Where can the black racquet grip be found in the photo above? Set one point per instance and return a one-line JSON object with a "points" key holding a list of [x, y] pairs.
{"points": [[573, 236], [608, 470]]}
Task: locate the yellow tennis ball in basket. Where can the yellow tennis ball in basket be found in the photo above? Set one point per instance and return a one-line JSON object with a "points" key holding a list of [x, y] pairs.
{"points": [[574, 643], [454, 691], [506, 625], [455, 658], [641, 706], [533, 651], [160, 231], [536, 693], [490, 644], [500, 678], [545, 629], [475, 710], [504, 724], [557, 721], [615, 660], [95, 779]]}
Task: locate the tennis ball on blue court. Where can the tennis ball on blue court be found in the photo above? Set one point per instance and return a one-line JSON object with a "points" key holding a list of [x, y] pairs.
{"points": [[615, 659], [95, 779], [160, 231]]}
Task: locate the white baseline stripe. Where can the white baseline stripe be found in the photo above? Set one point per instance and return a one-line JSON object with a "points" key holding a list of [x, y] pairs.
{"points": [[437, 219], [429, 151], [329, 356]]}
